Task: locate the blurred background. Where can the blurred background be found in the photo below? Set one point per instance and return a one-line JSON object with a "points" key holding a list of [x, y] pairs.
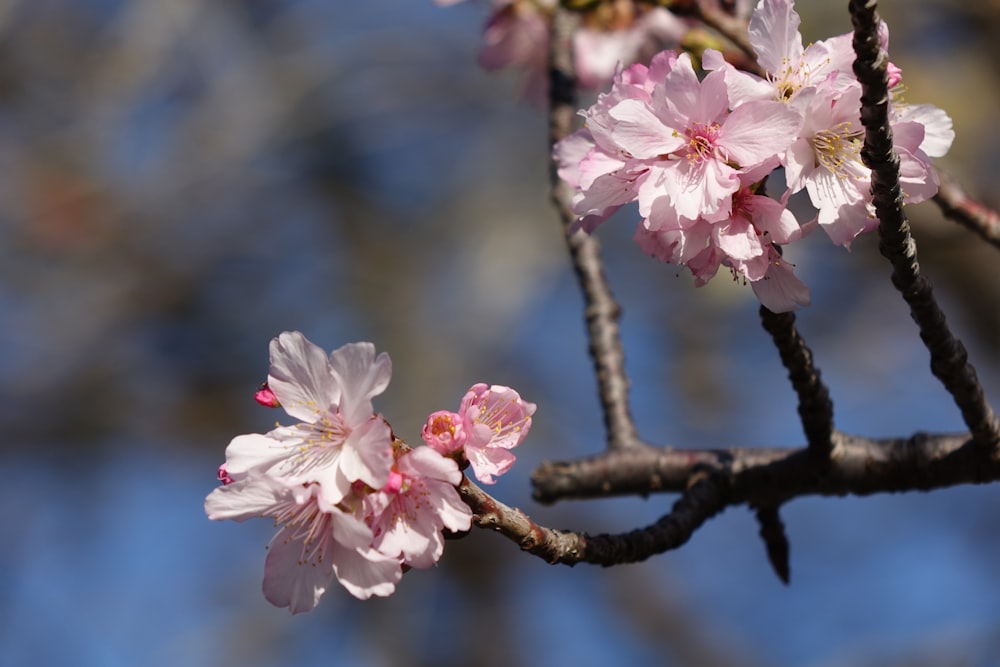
{"points": [[181, 181]]}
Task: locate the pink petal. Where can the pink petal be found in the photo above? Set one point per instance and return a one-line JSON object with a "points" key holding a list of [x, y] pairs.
{"points": [[774, 34], [757, 131], [780, 291], [367, 454], [489, 462], [771, 217], [640, 132]]}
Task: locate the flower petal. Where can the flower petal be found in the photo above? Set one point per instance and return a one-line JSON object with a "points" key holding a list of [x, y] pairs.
{"points": [[361, 375], [300, 377], [288, 582], [640, 132]]}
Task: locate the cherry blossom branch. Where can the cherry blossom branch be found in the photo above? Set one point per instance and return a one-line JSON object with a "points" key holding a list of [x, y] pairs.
{"points": [[771, 477], [601, 310], [956, 204], [731, 27], [702, 500], [815, 406], [949, 360], [710, 481]]}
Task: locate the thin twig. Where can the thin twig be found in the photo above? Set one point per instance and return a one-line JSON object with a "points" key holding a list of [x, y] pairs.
{"points": [[960, 207], [601, 310], [949, 360]]}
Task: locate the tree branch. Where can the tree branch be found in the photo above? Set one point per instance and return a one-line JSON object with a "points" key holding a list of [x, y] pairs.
{"points": [[770, 477], [958, 206], [772, 531], [601, 310], [815, 406], [702, 500], [710, 481], [949, 360]]}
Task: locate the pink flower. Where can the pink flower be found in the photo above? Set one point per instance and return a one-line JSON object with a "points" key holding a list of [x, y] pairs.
{"points": [[338, 440], [825, 160], [315, 543], [409, 514], [495, 420], [789, 68], [743, 242], [694, 146], [490, 422], [444, 432], [603, 174]]}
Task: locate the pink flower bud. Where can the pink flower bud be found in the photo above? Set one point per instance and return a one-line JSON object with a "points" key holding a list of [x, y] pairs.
{"points": [[895, 75], [266, 397], [444, 432]]}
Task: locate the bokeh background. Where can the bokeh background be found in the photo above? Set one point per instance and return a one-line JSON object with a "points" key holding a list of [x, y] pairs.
{"points": [[180, 181]]}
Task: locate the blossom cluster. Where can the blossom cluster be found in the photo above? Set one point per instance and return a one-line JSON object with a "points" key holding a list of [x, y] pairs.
{"points": [[694, 152], [620, 31], [350, 499]]}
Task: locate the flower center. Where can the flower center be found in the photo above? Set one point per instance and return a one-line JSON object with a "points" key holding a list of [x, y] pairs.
{"points": [[838, 149], [307, 523], [443, 424], [701, 142]]}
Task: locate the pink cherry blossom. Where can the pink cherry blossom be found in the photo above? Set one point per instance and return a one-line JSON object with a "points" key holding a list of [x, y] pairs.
{"points": [[338, 440], [316, 542], [409, 514], [444, 432], [789, 68], [604, 175], [496, 420], [743, 242], [693, 146], [490, 422]]}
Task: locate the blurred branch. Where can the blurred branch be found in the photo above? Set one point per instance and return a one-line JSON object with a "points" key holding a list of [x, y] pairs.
{"points": [[957, 205], [949, 360], [601, 310]]}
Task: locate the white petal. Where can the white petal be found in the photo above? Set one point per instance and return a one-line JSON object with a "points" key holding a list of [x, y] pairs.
{"points": [[247, 498], [360, 376], [366, 573], [300, 377], [774, 34], [288, 582]]}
